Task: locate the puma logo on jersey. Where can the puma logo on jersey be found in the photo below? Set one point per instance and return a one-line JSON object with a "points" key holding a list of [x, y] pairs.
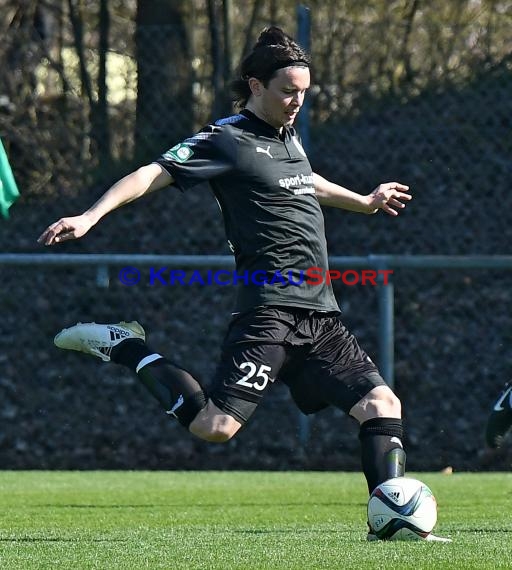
{"points": [[264, 150]]}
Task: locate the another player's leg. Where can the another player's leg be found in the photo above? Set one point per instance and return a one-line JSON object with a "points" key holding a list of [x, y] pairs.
{"points": [[499, 421]]}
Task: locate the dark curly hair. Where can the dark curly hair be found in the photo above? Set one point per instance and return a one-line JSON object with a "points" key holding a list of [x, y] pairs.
{"points": [[273, 51]]}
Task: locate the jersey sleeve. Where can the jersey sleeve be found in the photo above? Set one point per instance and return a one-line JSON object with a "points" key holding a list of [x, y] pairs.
{"points": [[209, 153]]}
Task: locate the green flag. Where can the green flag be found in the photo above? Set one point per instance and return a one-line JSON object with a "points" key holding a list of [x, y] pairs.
{"points": [[8, 189]]}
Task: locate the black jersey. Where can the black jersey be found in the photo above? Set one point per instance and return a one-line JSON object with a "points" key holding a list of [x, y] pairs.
{"points": [[263, 183]]}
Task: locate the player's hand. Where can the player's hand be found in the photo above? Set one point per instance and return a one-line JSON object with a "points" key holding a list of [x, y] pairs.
{"points": [[66, 229], [390, 197]]}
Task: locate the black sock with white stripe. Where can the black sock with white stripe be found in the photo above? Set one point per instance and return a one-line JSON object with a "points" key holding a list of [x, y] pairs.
{"points": [[177, 390], [380, 437]]}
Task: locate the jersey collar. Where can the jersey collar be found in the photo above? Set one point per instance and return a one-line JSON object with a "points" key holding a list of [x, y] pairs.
{"points": [[268, 129]]}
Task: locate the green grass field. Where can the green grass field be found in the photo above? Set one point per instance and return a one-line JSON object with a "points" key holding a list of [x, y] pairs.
{"points": [[235, 520]]}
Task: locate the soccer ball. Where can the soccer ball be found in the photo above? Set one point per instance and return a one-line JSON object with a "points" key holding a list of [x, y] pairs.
{"points": [[402, 509]]}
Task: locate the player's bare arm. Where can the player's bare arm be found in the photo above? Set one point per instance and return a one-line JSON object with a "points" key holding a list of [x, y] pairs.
{"points": [[390, 197], [140, 182]]}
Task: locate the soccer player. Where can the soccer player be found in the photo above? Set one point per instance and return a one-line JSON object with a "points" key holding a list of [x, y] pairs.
{"points": [[499, 421], [291, 332]]}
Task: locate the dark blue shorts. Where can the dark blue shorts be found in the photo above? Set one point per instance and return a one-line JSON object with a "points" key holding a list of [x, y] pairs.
{"points": [[309, 351]]}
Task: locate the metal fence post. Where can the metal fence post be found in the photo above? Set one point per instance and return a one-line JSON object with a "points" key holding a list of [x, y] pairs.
{"points": [[386, 324], [304, 39], [102, 276]]}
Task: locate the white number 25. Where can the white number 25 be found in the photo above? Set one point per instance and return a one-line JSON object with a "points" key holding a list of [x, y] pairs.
{"points": [[261, 373]]}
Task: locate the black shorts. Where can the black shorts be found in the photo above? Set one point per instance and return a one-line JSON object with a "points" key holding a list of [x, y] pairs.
{"points": [[310, 351]]}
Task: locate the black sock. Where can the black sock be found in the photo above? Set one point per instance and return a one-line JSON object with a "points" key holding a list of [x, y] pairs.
{"points": [[177, 391], [130, 352], [380, 437]]}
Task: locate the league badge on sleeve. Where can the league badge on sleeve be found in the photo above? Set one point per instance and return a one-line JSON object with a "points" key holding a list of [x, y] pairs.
{"points": [[180, 153]]}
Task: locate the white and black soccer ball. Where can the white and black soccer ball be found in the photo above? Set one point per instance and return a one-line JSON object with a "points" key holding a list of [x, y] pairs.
{"points": [[402, 509]]}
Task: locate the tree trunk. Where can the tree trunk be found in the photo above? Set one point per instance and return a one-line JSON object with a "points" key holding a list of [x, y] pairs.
{"points": [[227, 15], [217, 72], [100, 122], [164, 98]]}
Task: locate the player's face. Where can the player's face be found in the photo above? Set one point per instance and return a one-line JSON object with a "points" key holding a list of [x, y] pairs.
{"points": [[279, 102]]}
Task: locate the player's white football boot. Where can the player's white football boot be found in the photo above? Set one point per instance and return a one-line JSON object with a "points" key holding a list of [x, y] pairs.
{"points": [[434, 538], [98, 340]]}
